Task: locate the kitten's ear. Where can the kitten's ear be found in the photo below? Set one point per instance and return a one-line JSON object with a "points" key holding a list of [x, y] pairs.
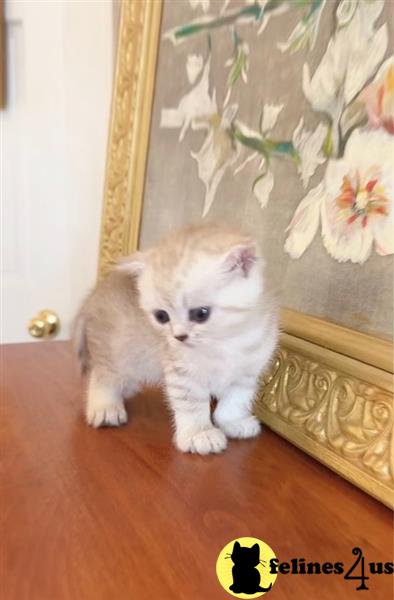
{"points": [[256, 550], [134, 264], [241, 258], [237, 546]]}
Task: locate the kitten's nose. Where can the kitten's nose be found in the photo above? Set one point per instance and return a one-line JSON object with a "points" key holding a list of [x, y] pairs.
{"points": [[181, 337]]}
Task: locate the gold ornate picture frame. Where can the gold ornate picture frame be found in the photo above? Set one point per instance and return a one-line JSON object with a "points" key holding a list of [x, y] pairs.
{"points": [[330, 390]]}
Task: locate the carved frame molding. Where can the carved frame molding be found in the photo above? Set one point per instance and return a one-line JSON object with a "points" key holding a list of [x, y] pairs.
{"points": [[330, 390], [132, 99], [336, 409]]}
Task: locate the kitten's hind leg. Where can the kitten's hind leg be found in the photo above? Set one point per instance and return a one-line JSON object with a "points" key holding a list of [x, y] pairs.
{"points": [[105, 406], [233, 413]]}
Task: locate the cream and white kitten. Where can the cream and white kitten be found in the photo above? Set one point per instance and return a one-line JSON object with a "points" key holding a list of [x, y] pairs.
{"points": [[193, 314]]}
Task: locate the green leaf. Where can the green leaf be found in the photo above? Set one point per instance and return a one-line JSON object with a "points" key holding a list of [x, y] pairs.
{"points": [[328, 143], [237, 67]]}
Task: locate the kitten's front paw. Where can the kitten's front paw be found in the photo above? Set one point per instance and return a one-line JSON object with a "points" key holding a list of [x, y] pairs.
{"points": [[112, 415], [248, 427], [208, 441]]}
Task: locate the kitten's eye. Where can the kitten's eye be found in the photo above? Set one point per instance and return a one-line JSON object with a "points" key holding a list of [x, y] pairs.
{"points": [[161, 316], [199, 315]]}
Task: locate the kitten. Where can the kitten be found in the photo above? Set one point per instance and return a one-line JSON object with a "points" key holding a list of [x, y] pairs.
{"points": [[192, 314], [246, 578]]}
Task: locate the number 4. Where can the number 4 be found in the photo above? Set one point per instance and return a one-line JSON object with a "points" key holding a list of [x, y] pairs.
{"points": [[358, 552]]}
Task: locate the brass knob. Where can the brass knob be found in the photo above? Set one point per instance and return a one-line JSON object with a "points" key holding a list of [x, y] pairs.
{"points": [[45, 325]]}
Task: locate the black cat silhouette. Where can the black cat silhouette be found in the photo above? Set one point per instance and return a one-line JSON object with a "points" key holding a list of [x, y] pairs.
{"points": [[246, 578]]}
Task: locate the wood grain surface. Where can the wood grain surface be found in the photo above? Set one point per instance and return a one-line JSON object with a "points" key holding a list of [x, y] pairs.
{"points": [[120, 514]]}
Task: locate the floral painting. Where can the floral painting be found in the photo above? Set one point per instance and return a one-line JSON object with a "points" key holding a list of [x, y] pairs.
{"points": [[347, 143], [278, 116]]}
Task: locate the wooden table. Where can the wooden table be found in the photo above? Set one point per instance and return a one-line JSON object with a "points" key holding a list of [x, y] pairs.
{"points": [[117, 514]]}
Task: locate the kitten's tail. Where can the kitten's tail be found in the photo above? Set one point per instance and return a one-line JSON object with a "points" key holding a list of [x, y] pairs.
{"points": [[78, 336], [263, 589]]}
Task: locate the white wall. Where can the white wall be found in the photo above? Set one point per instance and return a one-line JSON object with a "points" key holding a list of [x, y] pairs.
{"points": [[88, 71], [60, 59]]}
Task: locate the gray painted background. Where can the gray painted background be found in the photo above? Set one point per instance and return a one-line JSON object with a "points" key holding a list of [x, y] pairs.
{"points": [[357, 296]]}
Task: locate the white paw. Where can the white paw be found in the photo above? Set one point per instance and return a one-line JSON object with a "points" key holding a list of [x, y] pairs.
{"points": [[243, 428], [112, 415], [208, 441]]}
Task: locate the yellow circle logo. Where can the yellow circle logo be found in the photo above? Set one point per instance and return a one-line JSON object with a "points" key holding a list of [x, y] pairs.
{"points": [[243, 568]]}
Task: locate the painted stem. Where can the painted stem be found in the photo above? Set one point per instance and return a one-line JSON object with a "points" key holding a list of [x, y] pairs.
{"points": [[266, 146], [255, 11]]}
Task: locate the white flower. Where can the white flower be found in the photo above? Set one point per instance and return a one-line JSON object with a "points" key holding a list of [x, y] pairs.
{"points": [[199, 110], [345, 11], [262, 188], [194, 107], [217, 153], [352, 57], [354, 202], [194, 66], [378, 97], [305, 222], [264, 183], [368, 12], [204, 4], [271, 113], [308, 145]]}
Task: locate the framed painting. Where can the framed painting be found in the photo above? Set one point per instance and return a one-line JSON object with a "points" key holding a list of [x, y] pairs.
{"points": [[276, 116]]}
